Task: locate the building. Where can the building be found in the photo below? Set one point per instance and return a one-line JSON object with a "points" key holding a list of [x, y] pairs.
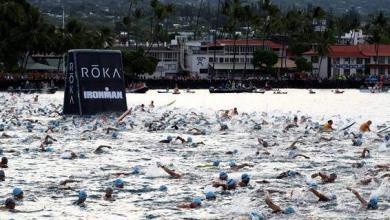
{"points": [[231, 59], [354, 37], [352, 60]]}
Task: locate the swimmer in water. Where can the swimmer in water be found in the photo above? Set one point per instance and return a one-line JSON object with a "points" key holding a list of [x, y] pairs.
{"points": [[294, 124], [36, 98], [237, 167], [233, 112], [82, 198], [48, 140], [365, 153], [289, 173], [225, 115], [171, 172], [196, 131], [275, 208], [151, 105], [99, 149], [9, 204], [196, 203], [325, 177], [4, 162], [231, 184], [371, 205], [167, 140], [328, 126], [322, 197], [365, 127], [189, 141], [108, 194], [18, 193]]}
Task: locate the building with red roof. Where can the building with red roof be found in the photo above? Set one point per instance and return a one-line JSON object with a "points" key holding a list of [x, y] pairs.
{"points": [[347, 60]]}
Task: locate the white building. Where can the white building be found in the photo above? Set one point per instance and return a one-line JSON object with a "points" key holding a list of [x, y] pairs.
{"points": [[354, 37]]}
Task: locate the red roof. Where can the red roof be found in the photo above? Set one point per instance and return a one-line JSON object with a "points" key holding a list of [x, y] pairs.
{"points": [[371, 49], [346, 51], [243, 42], [359, 51]]}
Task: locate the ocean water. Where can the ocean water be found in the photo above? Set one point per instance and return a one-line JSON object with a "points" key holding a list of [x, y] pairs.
{"points": [[39, 173]]}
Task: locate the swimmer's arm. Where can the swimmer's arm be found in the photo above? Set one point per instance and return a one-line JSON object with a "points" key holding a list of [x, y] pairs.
{"points": [[361, 200], [323, 176], [171, 172], [180, 139], [301, 155], [319, 195], [272, 205], [223, 185]]}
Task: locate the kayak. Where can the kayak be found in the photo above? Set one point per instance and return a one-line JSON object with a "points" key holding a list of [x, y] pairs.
{"points": [[141, 90], [262, 91], [165, 91]]}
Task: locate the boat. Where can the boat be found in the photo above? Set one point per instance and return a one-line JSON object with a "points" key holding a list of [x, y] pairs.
{"points": [[163, 91], [338, 91], [262, 91], [189, 91], [279, 92], [224, 90], [141, 90]]}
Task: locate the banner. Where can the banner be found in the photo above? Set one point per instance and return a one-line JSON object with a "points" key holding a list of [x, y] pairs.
{"points": [[94, 82]]}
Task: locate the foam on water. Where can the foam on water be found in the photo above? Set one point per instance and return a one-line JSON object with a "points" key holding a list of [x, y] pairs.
{"points": [[39, 173]]}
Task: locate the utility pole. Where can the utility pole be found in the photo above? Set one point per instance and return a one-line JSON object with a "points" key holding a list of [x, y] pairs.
{"points": [[215, 36]]}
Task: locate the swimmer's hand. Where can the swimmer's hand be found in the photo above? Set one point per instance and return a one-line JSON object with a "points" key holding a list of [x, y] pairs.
{"points": [[159, 164]]}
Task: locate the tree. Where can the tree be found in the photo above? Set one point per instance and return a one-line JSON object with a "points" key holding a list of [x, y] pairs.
{"points": [[137, 62], [303, 65], [264, 60]]}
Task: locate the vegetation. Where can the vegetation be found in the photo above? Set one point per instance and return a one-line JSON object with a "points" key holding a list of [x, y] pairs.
{"points": [[265, 60], [24, 30]]}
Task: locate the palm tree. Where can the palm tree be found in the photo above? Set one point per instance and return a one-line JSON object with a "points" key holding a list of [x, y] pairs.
{"points": [[379, 33]]}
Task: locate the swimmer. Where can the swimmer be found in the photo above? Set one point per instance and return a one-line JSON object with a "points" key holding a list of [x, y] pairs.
{"points": [[244, 180], [231, 184], [365, 153], [166, 141], [222, 178], [294, 124], [36, 98], [82, 198], [99, 149], [225, 115], [322, 197], [2, 175], [4, 162], [275, 208], [196, 131], [151, 105], [289, 173], [189, 141], [118, 183], [18, 193], [172, 173], [328, 126], [233, 112], [263, 142], [108, 194], [9, 204], [110, 129], [196, 203], [365, 127], [372, 204], [48, 140], [325, 177], [64, 182], [236, 167]]}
